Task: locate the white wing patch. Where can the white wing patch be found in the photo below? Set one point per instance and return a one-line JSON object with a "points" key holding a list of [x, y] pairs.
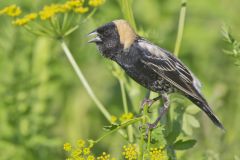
{"points": [[153, 49]]}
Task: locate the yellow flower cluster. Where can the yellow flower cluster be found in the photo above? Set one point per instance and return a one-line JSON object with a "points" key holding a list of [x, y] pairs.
{"points": [[105, 156], [27, 18], [81, 152], [130, 152], [126, 117], [71, 5], [113, 119], [51, 10], [158, 154], [11, 10], [67, 147], [95, 3]]}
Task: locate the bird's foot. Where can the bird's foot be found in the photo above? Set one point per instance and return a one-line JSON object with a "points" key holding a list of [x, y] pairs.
{"points": [[148, 127], [148, 103]]}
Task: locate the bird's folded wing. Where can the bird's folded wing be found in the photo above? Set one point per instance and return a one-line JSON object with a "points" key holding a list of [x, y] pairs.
{"points": [[173, 71]]}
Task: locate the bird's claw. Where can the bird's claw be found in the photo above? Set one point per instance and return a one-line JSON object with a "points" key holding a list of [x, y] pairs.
{"points": [[149, 127], [148, 103]]}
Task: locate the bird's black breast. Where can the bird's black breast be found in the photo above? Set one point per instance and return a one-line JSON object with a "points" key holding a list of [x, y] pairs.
{"points": [[130, 61]]}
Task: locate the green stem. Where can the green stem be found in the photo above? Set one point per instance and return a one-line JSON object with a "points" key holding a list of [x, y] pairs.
{"points": [[145, 120], [84, 81], [124, 97], [127, 12], [130, 122], [180, 27], [125, 106]]}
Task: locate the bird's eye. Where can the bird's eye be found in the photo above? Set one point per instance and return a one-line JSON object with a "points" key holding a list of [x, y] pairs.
{"points": [[107, 33]]}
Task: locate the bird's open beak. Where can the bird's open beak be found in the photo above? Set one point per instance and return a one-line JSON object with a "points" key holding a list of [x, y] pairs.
{"points": [[96, 38]]}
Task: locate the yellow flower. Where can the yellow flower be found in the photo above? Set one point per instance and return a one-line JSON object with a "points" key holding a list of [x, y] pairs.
{"points": [[126, 117], [113, 119], [31, 16], [95, 3], [50, 10], [76, 153], [90, 157], [27, 18], [47, 12], [158, 154], [130, 152], [86, 151], [12, 10], [80, 143], [81, 10], [67, 147], [74, 3], [104, 156]]}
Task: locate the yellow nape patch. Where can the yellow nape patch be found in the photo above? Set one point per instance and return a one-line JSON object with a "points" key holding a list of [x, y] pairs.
{"points": [[126, 33]]}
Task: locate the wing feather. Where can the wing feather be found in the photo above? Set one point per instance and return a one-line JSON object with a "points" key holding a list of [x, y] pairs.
{"points": [[170, 68]]}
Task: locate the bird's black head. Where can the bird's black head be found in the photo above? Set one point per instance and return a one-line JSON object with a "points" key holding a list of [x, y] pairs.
{"points": [[112, 38]]}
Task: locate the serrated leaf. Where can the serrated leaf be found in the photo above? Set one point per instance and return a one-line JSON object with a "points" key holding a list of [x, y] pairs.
{"points": [[111, 127], [183, 145]]}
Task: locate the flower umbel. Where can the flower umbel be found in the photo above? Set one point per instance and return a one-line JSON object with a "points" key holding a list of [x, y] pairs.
{"points": [[12, 10], [158, 154], [86, 151], [104, 156], [130, 152], [126, 117], [96, 3], [67, 147], [113, 119], [27, 18], [80, 143]]}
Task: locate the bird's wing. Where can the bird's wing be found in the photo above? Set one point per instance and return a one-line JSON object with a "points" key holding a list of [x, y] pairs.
{"points": [[170, 68]]}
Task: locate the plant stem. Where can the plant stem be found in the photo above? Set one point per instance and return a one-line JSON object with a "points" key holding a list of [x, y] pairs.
{"points": [[176, 50], [145, 120], [180, 27], [125, 106], [124, 97], [130, 122], [84, 81], [127, 12]]}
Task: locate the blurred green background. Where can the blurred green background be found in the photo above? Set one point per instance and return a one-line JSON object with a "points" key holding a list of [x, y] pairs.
{"points": [[43, 104]]}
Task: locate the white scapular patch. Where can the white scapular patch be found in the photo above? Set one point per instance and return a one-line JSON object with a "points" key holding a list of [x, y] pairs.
{"points": [[153, 49]]}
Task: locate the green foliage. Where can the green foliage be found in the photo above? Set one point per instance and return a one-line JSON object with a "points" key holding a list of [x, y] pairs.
{"points": [[43, 104], [234, 49]]}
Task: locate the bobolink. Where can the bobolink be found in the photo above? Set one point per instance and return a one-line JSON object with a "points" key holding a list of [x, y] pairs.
{"points": [[149, 65]]}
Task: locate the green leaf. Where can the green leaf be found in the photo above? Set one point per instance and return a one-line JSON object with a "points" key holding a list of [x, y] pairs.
{"points": [[193, 121], [111, 127], [192, 109], [172, 136], [157, 137], [186, 126], [183, 145]]}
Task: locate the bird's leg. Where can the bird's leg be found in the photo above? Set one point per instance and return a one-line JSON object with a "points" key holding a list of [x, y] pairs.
{"points": [[162, 111], [148, 101]]}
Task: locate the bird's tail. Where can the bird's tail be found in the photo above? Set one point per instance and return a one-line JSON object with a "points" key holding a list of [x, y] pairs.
{"points": [[203, 105]]}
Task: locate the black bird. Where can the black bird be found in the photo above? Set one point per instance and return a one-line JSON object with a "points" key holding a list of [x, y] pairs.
{"points": [[149, 65]]}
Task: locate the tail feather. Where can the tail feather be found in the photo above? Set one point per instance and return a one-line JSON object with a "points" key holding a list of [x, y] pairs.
{"points": [[205, 107]]}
